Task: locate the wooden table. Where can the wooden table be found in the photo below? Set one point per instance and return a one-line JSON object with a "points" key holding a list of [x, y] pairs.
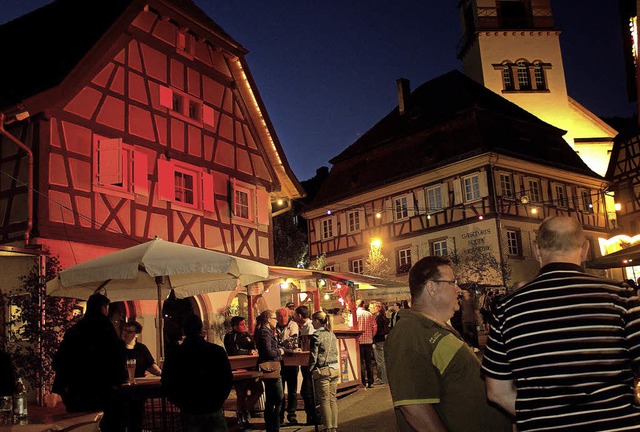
{"points": [[45, 420], [251, 361]]}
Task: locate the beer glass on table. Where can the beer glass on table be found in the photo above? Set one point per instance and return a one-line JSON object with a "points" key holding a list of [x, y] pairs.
{"points": [[131, 370]]}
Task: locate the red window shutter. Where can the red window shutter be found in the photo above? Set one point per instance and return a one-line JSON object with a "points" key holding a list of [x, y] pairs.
{"points": [[166, 179], [140, 173], [166, 97], [264, 207], [208, 193], [207, 115], [109, 161]]}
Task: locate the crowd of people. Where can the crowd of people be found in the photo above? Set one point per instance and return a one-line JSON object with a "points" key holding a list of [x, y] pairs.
{"points": [[562, 350]]}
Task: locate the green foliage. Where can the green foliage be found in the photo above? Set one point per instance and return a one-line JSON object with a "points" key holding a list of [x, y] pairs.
{"points": [[25, 331], [289, 242], [321, 262]]}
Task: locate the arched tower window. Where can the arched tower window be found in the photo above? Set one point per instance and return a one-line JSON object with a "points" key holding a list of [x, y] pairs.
{"points": [[524, 79], [507, 77], [523, 75]]}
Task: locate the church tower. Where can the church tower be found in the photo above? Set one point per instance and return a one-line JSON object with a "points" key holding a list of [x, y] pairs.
{"points": [[513, 48]]}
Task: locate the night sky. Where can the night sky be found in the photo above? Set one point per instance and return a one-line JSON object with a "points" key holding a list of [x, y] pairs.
{"points": [[326, 70]]}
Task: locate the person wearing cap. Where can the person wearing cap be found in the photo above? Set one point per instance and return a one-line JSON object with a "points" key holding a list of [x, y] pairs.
{"points": [[90, 365]]}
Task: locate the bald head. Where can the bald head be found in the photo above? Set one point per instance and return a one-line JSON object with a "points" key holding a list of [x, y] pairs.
{"points": [[561, 239]]}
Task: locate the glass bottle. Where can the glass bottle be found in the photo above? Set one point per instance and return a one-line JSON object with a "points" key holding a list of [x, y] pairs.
{"points": [[20, 414]]}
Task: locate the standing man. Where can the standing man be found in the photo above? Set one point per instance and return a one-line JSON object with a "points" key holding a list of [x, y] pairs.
{"points": [[394, 307], [287, 334], [434, 376], [90, 365], [366, 324], [564, 348], [239, 342], [197, 378], [306, 389]]}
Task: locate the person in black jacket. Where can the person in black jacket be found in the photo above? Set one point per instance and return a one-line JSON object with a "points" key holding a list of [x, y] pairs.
{"points": [[7, 375], [197, 378], [90, 365], [239, 342], [269, 351]]}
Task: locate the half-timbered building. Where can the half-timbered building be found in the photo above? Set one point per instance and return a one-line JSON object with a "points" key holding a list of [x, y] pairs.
{"points": [[122, 120], [454, 168]]}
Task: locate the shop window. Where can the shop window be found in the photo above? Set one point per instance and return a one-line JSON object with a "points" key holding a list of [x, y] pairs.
{"points": [[119, 169]]}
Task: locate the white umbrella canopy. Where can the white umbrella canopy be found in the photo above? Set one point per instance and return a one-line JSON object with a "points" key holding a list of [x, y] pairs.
{"points": [[131, 274], [150, 271]]}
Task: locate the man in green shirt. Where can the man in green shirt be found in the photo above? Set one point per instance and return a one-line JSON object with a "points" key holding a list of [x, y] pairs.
{"points": [[434, 376]]}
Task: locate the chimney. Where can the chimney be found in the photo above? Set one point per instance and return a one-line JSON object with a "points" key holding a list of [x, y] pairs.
{"points": [[404, 95]]}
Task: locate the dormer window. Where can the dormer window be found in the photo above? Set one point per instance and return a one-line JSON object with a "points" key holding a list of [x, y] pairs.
{"points": [[186, 107], [185, 43]]}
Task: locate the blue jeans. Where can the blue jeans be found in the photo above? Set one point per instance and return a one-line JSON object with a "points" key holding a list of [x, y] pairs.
{"points": [[273, 395], [210, 422]]}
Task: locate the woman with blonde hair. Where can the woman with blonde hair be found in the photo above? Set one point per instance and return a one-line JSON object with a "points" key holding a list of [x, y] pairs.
{"points": [[323, 364]]}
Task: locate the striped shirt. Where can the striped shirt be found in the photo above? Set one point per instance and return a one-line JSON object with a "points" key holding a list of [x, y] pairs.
{"points": [[570, 342]]}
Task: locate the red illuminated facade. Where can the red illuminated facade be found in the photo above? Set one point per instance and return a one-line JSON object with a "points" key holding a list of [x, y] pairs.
{"points": [[145, 122]]}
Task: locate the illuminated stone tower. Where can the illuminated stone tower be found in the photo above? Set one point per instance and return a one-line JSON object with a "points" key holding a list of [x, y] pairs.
{"points": [[513, 48]]}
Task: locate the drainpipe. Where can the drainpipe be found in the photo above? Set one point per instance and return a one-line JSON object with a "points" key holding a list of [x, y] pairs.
{"points": [[3, 131], [283, 210]]}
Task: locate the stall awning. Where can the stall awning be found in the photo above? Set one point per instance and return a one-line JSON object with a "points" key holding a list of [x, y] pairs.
{"points": [[624, 258], [362, 281]]}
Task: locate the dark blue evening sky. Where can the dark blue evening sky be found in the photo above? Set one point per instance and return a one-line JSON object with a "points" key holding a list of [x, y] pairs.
{"points": [[326, 70]]}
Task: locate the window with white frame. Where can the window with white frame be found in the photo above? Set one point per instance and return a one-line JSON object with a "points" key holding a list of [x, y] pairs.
{"points": [[506, 185], [534, 190], [356, 266], [514, 242], [242, 203], [401, 207], [434, 198], [118, 168], [471, 187], [561, 195], [507, 77], [439, 247], [354, 220], [404, 260], [524, 79], [185, 185], [538, 73], [331, 267], [587, 205], [185, 191], [326, 226]]}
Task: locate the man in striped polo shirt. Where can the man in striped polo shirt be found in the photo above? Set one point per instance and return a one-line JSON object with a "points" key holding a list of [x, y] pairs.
{"points": [[563, 349]]}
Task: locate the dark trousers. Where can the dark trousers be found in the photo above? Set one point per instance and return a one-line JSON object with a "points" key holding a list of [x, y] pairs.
{"points": [[470, 333], [306, 390], [211, 422], [273, 396], [366, 363], [246, 403], [290, 379]]}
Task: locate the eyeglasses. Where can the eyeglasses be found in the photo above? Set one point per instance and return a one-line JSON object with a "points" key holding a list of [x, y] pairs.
{"points": [[454, 281]]}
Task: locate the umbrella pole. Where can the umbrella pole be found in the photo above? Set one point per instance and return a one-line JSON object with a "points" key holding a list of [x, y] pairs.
{"points": [[159, 335]]}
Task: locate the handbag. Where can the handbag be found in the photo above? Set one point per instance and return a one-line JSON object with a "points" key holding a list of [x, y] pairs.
{"points": [[321, 372], [270, 369]]}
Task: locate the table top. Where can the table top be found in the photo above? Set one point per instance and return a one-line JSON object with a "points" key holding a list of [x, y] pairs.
{"points": [[43, 419], [300, 358]]}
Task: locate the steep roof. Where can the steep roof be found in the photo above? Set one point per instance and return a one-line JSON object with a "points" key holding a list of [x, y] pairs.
{"points": [[450, 118], [42, 47]]}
